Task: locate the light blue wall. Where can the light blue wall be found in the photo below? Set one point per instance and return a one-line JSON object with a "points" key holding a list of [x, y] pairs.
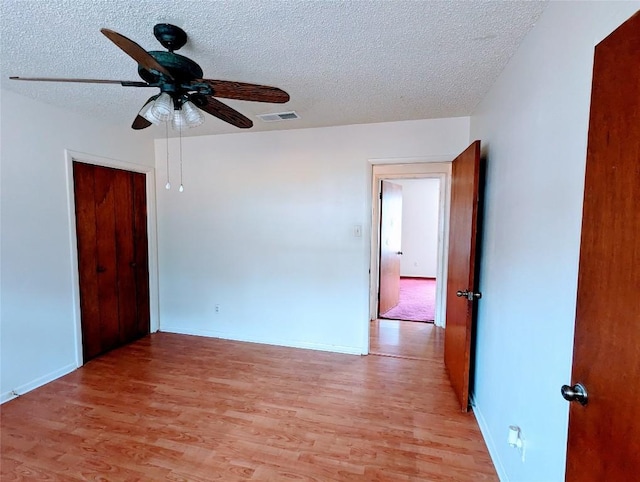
{"points": [[533, 125]]}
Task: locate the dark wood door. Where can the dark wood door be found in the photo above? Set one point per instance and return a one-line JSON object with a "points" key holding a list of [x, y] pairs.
{"points": [[111, 227], [604, 440], [461, 277], [390, 245]]}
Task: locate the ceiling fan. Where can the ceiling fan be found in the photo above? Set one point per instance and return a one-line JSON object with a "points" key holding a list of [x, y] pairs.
{"points": [[183, 90]]}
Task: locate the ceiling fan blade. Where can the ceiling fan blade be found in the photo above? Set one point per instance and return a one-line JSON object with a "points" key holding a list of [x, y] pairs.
{"points": [[140, 122], [222, 111], [126, 83], [243, 91], [136, 52]]}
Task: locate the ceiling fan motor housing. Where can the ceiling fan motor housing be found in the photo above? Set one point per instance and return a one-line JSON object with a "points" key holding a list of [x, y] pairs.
{"points": [[184, 71]]}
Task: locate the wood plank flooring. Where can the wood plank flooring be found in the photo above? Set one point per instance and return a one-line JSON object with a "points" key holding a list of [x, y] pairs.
{"points": [[407, 339], [183, 408]]}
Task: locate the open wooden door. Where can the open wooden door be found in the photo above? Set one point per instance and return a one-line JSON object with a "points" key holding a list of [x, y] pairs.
{"points": [[462, 292], [390, 245], [604, 440]]}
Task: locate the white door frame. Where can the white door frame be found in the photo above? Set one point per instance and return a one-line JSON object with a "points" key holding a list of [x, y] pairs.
{"points": [[389, 169], [150, 180]]}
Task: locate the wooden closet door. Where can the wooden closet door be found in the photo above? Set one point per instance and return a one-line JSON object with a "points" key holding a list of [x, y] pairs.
{"points": [[112, 257], [125, 256], [141, 253], [106, 259], [84, 187]]}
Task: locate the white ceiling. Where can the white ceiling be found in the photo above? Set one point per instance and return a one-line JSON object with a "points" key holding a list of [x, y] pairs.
{"points": [[342, 62]]}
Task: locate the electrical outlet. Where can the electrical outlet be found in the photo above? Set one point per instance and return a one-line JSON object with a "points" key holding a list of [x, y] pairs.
{"points": [[217, 308], [516, 440]]}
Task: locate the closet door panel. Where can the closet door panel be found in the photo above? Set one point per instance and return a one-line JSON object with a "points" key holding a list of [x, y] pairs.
{"points": [[107, 258], [85, 208], [123, 202], [141, 253]]}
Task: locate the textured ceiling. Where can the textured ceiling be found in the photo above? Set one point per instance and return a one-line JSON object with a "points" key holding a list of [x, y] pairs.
{"points": [[342, 62]]}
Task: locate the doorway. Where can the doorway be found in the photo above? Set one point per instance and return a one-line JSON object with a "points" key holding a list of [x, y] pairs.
{"points": [[148, 172], [458, 227], [439, 171], [414, 286]]}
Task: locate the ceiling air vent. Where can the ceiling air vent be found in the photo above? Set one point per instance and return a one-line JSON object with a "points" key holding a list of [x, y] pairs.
{"points": [[280, 116]]}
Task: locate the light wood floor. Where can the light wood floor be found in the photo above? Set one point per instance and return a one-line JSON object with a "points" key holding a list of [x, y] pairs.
{"points": [[407, 339], [182, 408]]}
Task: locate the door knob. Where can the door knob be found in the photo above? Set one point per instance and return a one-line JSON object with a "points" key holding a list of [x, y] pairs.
{"points": [[399, 252], [470, 295], [100, 269], [576, 393]]}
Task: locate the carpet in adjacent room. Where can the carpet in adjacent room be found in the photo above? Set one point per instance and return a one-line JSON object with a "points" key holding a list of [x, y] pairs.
{"points": [[417, 300]]}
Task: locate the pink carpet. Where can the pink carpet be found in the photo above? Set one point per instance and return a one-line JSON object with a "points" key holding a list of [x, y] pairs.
{"points": [[417, 301]]}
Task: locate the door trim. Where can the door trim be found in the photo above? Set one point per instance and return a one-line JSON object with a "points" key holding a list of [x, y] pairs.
{"points": [[414, 168], [149, 172]]}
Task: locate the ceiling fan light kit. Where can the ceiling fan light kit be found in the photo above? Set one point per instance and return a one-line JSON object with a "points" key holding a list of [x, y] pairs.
{"points": [[163, 109]]}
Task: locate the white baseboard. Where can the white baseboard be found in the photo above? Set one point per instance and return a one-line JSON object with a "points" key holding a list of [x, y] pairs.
{"points": [[38, 382], [350, 350], [489, 442]]}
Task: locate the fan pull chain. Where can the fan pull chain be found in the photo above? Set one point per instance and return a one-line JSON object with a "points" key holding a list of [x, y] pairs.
{"points": [[181, 188], [166, 135]]}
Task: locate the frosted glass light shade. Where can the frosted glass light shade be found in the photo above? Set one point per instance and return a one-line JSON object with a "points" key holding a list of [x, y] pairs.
{"points": [[186, 117], [193, 115], [161, 109], [145, 112], [179, 121]]}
